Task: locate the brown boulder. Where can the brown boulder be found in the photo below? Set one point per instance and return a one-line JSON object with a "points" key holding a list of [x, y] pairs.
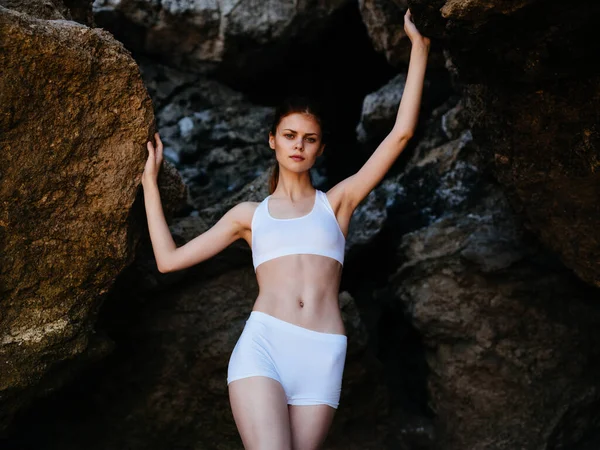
{"points": [[73, 125]]}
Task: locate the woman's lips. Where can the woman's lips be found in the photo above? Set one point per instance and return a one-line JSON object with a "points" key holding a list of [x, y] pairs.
{"points": [[297, 158]]}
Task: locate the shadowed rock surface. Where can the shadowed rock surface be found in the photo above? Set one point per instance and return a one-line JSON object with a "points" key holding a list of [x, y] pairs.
{"points": [[77, 10], [384, 20], [532, 90], [509, 334], [241, 36]]}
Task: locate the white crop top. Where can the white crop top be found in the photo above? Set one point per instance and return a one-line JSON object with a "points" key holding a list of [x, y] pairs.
{"points": [[317, 233]]}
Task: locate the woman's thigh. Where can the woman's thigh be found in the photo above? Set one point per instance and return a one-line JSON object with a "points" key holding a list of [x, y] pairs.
{"points": [[260, 411], [309, 425]]}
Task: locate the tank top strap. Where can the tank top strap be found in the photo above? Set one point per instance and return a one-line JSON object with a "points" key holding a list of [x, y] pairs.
{"points": [[259, 213], [324, 201]]}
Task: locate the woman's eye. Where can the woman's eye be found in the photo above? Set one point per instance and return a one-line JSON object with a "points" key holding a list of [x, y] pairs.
{"points": [[311, 140], [288, 135]]}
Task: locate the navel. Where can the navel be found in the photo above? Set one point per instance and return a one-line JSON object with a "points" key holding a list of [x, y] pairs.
{"points": [[301, 304]]}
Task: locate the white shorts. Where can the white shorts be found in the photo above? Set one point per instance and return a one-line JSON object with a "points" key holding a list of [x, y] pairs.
{"points": [[308, 364]]}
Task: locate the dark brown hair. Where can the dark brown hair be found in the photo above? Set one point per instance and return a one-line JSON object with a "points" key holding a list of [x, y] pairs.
{"points": [[290, 105]]}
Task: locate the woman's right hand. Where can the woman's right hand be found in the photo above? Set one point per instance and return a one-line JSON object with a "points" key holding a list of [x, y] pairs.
{"points": [[412, 32], [155, 157]]}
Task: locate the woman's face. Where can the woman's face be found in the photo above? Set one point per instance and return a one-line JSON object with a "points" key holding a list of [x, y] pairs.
{"points": [[298, 134]]}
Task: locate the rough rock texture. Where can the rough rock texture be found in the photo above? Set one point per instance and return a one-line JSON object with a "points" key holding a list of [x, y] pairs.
{"points": [[74, 120], [513, 348], [215, 136], [509, 334], [532, 82], [384, 20], [81, 11], [77, 10], [549, 161], [477, 13], [379, 110], [241, 35]]}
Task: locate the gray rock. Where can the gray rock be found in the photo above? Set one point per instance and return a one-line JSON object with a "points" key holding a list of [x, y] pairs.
{"points": [[508, 332], [77, 10], [216, 138], [202, 35], [532, 98], [379, 111], [384, 20]]}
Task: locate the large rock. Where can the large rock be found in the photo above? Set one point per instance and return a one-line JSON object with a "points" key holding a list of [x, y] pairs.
{"points": [[508, 334], [543, 146], [511, 335], [241, 35], [532, 90], [384, 20], [77, 10], [74, 122]]}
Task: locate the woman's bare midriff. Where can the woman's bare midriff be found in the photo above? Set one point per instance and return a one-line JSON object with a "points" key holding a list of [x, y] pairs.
{"points": [[301, 289]]}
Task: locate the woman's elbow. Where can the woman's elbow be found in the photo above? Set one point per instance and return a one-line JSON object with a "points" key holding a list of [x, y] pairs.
{"points": [[164, 266]]}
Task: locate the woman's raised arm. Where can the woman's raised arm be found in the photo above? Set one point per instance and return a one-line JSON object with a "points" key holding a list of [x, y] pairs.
{"points": [[168, 256], [356, 187]]}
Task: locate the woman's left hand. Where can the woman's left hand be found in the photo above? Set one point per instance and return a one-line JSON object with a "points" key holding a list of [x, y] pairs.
{"points": [[411, 30], [155, 157]]}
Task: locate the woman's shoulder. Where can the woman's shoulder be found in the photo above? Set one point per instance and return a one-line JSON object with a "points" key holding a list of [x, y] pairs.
{"points": [[243, 212]]}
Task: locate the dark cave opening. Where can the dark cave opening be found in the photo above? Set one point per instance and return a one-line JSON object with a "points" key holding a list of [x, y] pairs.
{"points": [[338, 68]]}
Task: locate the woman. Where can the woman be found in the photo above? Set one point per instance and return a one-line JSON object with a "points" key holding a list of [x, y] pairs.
{"points": [[285, 372]]}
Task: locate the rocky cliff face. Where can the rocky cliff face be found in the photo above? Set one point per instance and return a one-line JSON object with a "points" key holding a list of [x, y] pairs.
{"points": [[470, 289], [531, 87], [505, 207]]}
